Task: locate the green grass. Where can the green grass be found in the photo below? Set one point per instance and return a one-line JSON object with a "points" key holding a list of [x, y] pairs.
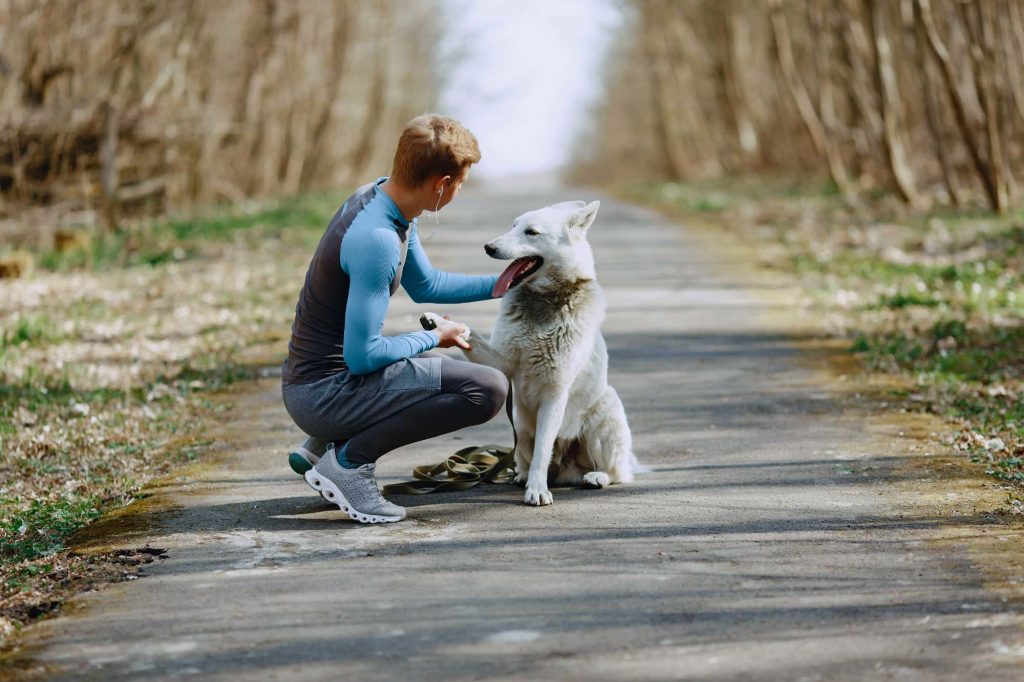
{"points": [[1007, 469], [949, 352], [40, 529], [309, 211], [155, 243], [41, 397], [27, 329], [906, 299], [36, 527]]}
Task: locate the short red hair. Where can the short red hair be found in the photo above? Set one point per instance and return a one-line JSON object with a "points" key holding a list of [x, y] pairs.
{"points": [[433, 145]]}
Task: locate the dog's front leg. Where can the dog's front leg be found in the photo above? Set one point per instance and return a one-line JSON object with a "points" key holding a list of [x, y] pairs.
{"points": [[549, 420], [484, 353]]}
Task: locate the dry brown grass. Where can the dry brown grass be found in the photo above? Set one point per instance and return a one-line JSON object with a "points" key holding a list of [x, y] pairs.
{"points": [[104, 375]]}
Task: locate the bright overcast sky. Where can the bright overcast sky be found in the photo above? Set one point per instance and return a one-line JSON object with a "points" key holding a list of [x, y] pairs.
{"points": [[529, 69]]}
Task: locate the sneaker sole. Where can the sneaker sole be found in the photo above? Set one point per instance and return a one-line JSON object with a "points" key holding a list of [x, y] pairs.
{"points": [[299, 464], [330, 492]]}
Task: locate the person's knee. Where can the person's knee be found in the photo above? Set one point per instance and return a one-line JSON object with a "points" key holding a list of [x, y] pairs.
{"points": [[493, 387]]}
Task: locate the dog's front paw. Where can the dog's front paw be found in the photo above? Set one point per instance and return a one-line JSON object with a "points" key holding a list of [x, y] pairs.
{"points": [[520, 480], [537, 496]]}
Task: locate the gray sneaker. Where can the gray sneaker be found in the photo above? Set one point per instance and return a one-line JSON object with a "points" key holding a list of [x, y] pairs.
{"points": [[353, 490]]}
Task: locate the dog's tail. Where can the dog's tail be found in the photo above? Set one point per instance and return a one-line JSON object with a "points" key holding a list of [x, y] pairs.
{"points": [[637, 466]]}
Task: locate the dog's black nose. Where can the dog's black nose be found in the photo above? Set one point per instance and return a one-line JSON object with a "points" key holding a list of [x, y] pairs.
{"points": [[490, 250]]}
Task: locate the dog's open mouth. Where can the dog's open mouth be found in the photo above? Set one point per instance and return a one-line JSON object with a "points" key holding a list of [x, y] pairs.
{"points": [[516, 272]]}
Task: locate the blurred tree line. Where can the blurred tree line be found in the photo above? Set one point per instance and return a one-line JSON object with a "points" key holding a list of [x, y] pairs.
{"points": [[921, 97], [144, 105]]}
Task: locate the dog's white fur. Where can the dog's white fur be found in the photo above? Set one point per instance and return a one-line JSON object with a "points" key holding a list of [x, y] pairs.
{"points": [[570, 424]]}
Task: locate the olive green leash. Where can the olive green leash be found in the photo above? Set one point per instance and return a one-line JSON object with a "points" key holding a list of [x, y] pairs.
{"points": [[466, 468]]}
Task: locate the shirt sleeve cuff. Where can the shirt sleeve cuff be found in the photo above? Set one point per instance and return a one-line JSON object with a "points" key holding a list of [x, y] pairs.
{"points": [[431, 339]]}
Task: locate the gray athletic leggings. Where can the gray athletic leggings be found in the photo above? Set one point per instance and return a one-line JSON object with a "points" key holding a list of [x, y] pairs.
{"points": [[469, 394]]}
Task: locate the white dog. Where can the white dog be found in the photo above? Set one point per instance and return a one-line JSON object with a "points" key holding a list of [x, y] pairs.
{"points": [[547, 339]]}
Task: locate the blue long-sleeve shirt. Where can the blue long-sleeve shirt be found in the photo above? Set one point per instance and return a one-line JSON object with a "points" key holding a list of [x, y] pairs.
{"points": [[340, 312], [370, 254]]}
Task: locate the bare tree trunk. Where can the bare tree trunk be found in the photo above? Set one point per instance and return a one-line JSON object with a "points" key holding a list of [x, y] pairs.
{"points": [[932, 110], [655, 42], [735, 34], [822, 143], [248, 109], [823, 52], [991, 97], [857, 88], [109, 183], [378, 92], [941, 53], [195, 60], [130, 105], [1009, 65], [297, 148], [260, 34], [127, 39], [1014, 48], [889, 95], [344, 21], [860, 54], [701, 140]]}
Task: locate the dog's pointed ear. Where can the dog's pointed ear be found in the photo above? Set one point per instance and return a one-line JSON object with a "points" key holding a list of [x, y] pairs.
{"points": [[583, 218], [569, 206]]}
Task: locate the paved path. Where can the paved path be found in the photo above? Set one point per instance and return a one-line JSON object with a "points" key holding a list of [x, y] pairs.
{"points": [[778, 537]]}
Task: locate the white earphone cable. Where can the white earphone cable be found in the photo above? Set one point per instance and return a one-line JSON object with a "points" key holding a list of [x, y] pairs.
{"points": [[437, 224]]}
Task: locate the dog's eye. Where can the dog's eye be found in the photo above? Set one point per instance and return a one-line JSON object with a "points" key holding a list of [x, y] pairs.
{"points": [[532, 232]]}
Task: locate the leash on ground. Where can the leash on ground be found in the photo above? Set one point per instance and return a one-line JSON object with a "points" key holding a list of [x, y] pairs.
{"points": [[463, 470], [466, 468]]}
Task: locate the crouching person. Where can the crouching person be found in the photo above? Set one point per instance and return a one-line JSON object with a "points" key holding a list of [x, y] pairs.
{"points": [[358, 394]]}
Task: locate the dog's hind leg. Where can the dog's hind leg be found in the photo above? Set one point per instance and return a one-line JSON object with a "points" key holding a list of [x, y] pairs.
{"points": [[526, 427], [609, 443], [523, 457], [586, 474], [596, 479], [566, 469]]}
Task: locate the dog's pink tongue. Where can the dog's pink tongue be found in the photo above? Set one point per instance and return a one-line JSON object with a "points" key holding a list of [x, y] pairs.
{"points": [[505, 279]]}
